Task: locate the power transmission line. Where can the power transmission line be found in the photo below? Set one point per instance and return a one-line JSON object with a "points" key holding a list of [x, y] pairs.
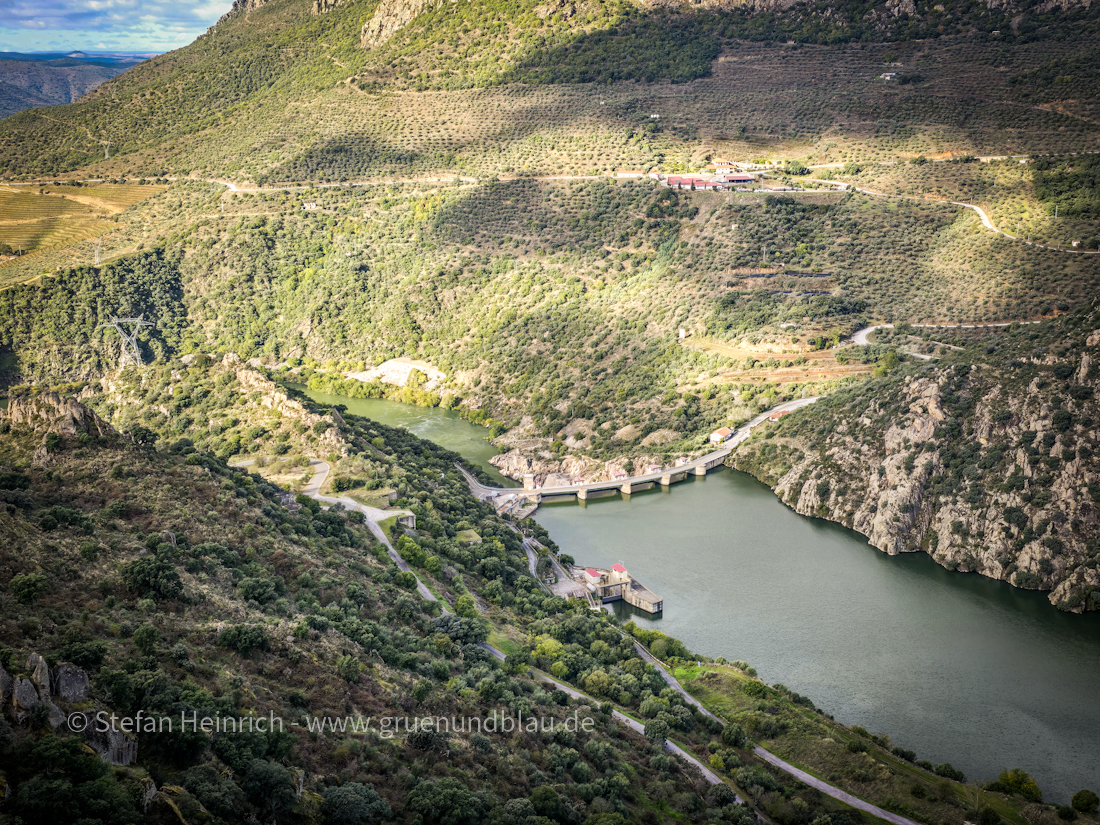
{"points": [[131, 353]]}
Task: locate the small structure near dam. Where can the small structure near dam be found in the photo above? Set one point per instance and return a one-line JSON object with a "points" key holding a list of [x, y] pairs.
{"points": [[617, 584]]}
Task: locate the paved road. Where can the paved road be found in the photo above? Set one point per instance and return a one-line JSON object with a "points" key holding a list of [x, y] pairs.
{"points": [[633, 724], [532, 559], [768, 756], [371, 516], [485, 491], [829, 790]]}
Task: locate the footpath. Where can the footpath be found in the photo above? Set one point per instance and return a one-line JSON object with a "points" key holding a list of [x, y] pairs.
{"points": [[372, 517]]}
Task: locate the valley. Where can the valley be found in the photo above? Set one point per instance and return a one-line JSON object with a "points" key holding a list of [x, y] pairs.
{"points": [[391, 257]]}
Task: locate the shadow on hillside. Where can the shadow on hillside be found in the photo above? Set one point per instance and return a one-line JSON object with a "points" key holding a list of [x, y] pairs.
{"points": [[680, 50], [352, 156]]}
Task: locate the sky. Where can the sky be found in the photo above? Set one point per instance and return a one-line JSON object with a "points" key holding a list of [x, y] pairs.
{"points": [[105, 25]]}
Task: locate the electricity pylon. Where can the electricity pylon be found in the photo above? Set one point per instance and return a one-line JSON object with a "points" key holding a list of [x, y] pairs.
{"points": [[130, 353]]}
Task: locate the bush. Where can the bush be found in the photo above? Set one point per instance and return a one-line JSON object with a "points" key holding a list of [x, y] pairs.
{"points": [[406, 580], [1016, 782], [1066, 812], [656, 730], [466, 607], [349, 668], [1085, 801], [28, 587], [354, 804], [86, 654], [948, 772], [151, 575], [444, 802], [146, 639], [269, 787], [733, 735], [244, 638], [750, 777]]}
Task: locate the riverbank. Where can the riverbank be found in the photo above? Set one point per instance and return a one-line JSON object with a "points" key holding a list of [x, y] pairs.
{"points": [[964, 668]]}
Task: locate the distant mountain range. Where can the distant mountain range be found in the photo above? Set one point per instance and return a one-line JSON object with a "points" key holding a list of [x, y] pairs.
{"points": [[55, 78]]}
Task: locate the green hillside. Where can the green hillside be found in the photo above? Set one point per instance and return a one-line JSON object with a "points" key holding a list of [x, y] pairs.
{"points": [[279, 93]]}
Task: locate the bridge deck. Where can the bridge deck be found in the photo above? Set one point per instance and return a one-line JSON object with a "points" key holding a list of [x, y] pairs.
{"points": [[708, 461]]}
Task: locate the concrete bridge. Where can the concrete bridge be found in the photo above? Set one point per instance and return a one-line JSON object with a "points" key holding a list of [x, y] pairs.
{"points": [[634, 484]]}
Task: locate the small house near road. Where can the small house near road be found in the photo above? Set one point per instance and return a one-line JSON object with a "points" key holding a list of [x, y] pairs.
{"points": [[721, 435], [775, 416], [686, 182]]}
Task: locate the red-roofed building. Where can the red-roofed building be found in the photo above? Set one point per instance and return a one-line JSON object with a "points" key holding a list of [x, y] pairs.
{"points": [[685, 182], [593, 575], [618, 568], [721, 435]]}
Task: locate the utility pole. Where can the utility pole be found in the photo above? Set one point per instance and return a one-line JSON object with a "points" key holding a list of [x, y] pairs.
{"points": [[130, 353], [106, 149]]}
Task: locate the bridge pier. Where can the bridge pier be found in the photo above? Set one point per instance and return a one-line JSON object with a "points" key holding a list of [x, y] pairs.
{"points": [[699, 470], [629, 488]]}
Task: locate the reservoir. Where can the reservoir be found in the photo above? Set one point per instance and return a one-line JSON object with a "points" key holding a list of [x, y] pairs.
{"points": [[957, 667]]}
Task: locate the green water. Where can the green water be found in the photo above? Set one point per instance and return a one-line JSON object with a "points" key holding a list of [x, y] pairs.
{"points": [[959, 668], [443, 427]]}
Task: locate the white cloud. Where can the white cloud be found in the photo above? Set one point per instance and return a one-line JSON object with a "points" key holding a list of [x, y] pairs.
{"points": [[105, 25]]}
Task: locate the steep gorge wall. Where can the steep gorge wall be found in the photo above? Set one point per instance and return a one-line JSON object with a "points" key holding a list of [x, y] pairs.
{"points": [[988, 470]]}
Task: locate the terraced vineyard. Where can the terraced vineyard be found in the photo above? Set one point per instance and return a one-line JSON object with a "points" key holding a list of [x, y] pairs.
{"points": [[35, 220]]}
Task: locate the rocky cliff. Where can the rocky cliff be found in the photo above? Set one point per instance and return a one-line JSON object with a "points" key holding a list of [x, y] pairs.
{"points": [[989, 464], [52, 413], [393, 15], [550, 471]]}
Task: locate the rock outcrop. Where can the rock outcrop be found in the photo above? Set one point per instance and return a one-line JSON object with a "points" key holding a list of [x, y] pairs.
{"points": [[988, 471], [24, 697], [40, 673], [113, 745], [71, 683], [324, 6], [393, 15], [552, 472], [270, 395], [49, 412], [396, 372]]}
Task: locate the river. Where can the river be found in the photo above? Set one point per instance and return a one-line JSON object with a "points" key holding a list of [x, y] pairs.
{"points": [[957, 667]]}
